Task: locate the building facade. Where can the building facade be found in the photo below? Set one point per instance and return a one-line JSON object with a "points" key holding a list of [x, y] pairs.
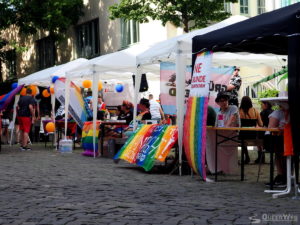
{"points": [[94, 35]]}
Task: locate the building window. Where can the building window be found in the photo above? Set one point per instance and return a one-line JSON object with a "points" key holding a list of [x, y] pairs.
{"points": [[244, 7], [88, 39], [288, 2], [227, 7], [130, 32], [46, 52], [261, 7]]}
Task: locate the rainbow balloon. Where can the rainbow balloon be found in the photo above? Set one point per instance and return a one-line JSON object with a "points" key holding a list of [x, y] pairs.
{"points": [[148, 143], [195, 134]]}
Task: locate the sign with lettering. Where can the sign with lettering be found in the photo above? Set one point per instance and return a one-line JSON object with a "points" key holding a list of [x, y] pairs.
{"points": [[201, 75]]}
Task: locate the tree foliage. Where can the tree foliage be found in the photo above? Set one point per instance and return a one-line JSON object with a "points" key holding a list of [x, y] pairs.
{"points": [[189, 14], [54, 16]]}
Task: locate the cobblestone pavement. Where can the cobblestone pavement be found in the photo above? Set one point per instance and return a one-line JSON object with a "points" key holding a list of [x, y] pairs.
{"points": [[46, 187]]}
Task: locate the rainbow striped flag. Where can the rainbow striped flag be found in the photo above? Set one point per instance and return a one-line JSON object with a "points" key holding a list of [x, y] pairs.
{"points": [[7, 98], [87, 138], [194, 140], [147, 144]]}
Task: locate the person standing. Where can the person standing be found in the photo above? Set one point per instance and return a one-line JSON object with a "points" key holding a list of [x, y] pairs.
{"points": [[25, 116], [156, 110], [234, 86]]}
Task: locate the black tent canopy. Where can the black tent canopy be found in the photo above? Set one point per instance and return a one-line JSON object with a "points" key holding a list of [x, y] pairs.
{"points": [[276, 32]]}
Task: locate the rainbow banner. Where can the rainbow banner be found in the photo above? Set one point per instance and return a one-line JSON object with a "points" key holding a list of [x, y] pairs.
{"points": [[194, 140], [147, 144], [77, 106], [7, 98], [87, 139]]}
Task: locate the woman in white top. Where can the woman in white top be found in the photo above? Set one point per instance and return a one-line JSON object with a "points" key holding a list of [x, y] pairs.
{"points": [[228, 116]]}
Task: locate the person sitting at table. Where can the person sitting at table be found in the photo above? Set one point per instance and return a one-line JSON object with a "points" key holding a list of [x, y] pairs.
{"points": [[264, 114], [250, 117], [278, 119], [145, 111], [227, 116]]}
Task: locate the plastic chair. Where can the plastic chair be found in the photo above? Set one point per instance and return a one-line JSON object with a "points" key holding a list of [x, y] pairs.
{"points": [[44, 132]]}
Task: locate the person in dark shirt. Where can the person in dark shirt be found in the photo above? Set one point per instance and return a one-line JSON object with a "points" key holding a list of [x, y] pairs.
{"points": [[126, 112], [25, 116], [264, 114], [145, 110]]}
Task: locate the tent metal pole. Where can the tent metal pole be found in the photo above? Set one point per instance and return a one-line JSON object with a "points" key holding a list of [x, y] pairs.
{"points": [[136, 93], [17, 97], [95, 104], [180, 95]]}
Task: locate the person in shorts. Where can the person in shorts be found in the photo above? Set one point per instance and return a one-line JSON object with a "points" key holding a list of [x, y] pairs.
{"points": [[25, 116]]}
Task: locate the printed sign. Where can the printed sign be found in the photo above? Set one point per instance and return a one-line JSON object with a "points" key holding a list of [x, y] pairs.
{"points": [[201, 75]]}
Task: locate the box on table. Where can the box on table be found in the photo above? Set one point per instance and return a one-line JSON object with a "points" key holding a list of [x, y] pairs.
{"points": [[66, 146]]}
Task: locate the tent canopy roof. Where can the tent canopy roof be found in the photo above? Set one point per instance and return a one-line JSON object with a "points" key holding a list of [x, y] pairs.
{"points": [[266, 33], [122, 62], [166, 50], [43, 77]]}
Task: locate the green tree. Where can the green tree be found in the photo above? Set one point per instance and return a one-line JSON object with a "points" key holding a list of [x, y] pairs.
{"points": [[53, 16], [189, 14]]}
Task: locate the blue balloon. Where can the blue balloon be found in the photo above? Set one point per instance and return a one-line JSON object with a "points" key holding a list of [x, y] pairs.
{"points": [[119, 87], [14, 85], [54, 79]]}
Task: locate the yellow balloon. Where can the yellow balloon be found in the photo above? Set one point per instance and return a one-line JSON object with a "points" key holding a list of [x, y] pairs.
{"points": [[34, 89], [52, 90], [23, 91], [45, 93], [50, 127], [87, 83]]}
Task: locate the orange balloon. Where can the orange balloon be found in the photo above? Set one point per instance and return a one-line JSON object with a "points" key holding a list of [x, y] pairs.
{"points": [[45, 93], [52, 90], [100, 85], [23, 91], [50, 127], [34, 90], [87, 83]]}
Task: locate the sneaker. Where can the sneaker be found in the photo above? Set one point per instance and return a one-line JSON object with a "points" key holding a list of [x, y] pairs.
{"points": [[28, 149], [22, 148]]}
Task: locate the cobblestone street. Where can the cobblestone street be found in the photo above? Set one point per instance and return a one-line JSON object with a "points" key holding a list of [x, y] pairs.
{"points": [[45, 187]]}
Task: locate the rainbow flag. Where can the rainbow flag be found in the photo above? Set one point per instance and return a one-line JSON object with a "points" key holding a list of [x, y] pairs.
{"points": [[87, 138], [194, 140], [77, 107], [7, 98], [147, 144]]}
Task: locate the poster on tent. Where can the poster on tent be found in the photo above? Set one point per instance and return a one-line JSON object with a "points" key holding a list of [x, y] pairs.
{"points": [[114, 98], [219, 79], [194, 139], [76, 107], [168, 86]]}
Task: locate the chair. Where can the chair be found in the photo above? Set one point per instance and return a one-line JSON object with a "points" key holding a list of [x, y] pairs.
{"points": [[44, 121]]}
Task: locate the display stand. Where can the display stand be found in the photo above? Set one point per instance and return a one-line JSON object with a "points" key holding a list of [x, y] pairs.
{"points": [[290, 178]]}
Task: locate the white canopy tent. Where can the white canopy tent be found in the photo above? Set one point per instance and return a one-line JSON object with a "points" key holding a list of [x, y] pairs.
{"points": [[121, 64], [43, 78], [179, 50]]}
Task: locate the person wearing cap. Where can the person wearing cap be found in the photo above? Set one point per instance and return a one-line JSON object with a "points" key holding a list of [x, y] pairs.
{"points": [[228, 116], [234, 86]]}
